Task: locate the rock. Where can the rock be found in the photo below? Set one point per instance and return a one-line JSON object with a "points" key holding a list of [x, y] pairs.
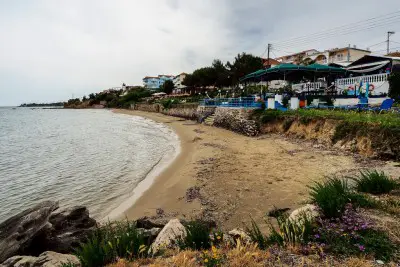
{"points": [[240, 234], [309, 210], [168, 236], [46, 259], [44, 228], [147, 223], [17, 233], [149, 233]]}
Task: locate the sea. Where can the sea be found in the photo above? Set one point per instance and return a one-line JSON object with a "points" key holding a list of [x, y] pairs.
{"points": [[95, 158]]}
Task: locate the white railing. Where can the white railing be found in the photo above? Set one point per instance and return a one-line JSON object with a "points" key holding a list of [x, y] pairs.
{"points": [[309, 86], [368, 78]]}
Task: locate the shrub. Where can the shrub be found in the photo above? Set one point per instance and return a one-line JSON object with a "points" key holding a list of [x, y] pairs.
{"points": [[363, 201], [261, 240], [374, 182], [289, 233], [121, 240], [198, 236], [331, 196], [352, 234]]}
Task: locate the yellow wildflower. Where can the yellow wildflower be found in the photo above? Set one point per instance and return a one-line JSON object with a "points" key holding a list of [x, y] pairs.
{"points": [[205, 260], [218, 237]]}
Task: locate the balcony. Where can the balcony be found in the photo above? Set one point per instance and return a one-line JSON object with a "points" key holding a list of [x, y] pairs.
{"points": [[383, 77]]}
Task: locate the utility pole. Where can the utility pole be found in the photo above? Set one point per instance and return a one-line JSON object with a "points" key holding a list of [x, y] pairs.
{"points": [[388, 40], [348, 53], [269, 48]]}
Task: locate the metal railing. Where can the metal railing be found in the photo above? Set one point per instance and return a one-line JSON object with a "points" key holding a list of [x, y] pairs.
{"points": [[368, 78], [240, 102]]}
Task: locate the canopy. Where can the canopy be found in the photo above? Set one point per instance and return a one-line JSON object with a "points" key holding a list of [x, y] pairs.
{"points": [[292, 71], [325, 68]]}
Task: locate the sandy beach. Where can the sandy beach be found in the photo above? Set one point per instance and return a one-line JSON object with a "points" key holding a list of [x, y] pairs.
{"points": [[229, 177]]}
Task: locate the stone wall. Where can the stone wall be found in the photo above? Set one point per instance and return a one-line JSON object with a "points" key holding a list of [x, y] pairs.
{"points": [[237, 120], [189, 113], [148, 107]]}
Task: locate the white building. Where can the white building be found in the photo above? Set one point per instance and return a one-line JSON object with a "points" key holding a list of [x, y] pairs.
{"points": [[178, 79]]}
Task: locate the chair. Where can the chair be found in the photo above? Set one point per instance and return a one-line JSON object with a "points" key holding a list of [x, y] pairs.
{"points": [[385, 106]]}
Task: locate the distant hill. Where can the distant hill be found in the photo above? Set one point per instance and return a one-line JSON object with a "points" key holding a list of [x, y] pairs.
{"points": [[57, 104]]}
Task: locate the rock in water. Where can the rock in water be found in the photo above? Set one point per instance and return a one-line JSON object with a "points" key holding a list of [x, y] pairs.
{"points": [[168, 236], [46, 259], [17, 233]]}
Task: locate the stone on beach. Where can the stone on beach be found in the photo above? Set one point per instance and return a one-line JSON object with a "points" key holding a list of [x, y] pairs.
{"points": [[309, 211], [44, 227], [168, 236], [46, 259]]}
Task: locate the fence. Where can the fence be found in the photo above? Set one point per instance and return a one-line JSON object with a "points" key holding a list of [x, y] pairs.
{"points": [[368, 78], [241, 102]]}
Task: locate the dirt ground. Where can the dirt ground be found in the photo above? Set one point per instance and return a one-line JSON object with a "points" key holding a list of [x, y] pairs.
{"points": [[230, 178]]}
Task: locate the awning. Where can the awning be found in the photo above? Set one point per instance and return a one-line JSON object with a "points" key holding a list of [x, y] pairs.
{"points": [[369, 64]]}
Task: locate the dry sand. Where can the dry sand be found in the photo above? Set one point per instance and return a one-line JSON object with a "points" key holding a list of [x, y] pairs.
{"points": [[231, 176]]}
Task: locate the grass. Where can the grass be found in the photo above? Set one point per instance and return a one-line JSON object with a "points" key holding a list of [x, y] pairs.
{"points": [[112, 241], [331, 196], [306, 115], [198, 236], [375, 183]]}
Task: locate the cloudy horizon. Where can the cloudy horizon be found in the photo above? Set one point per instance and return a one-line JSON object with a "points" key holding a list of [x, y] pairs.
{"points": [[51, 50]]}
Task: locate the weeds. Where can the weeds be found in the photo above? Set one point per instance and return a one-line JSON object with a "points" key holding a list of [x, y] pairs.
{"points": [[198, 236], [261, 240], [375, 182], [331, 196], [110, 242]]}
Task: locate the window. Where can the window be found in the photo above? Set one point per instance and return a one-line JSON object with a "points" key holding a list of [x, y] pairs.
{"points": [[340, 56]]}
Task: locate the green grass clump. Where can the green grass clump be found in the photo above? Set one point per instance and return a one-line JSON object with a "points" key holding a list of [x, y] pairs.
{"points": [[112, 241], [331, 196], [289, 232], [198, 236], [375, 182]]}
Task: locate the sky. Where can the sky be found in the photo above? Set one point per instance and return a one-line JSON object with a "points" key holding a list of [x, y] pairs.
{"points": [[51, 50]]}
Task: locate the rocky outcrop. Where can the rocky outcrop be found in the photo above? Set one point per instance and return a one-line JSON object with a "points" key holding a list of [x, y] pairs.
{"points": [[46, 259], [147, 107], [17, 233], [44, 227], [237, 120], [168, 236]]}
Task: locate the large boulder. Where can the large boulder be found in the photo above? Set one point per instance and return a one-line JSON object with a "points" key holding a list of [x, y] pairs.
{"points": [[168, 236], [44, 228], [46, 259], [17, 233], [308, 211]]}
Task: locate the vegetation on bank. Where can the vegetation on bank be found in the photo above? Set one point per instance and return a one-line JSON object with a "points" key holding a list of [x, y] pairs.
{"points": [[55, 104], [337, 231]]}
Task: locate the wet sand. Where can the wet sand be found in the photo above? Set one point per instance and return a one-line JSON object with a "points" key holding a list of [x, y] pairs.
{"points": [[227, 177]]}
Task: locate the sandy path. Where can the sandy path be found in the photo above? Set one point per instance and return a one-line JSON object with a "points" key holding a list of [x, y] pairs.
{"points": [[237, 176]]}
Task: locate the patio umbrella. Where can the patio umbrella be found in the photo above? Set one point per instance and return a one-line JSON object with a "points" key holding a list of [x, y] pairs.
{"points": [[326, 69]]}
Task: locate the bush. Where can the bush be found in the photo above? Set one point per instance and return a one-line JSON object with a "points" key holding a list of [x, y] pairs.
{"points": [[374, 182], [110, 242], [289, 233], [331, 196], [353, 234], [198, 236]]}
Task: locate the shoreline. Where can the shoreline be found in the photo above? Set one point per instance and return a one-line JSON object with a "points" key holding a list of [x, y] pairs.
{"points": [[160, 187]]}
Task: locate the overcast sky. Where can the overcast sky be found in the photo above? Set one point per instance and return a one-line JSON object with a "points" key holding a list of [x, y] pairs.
{"points": [[51, 50]]}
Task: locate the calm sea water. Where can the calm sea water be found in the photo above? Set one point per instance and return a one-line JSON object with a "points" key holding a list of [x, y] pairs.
{"points": [[93, 158]]}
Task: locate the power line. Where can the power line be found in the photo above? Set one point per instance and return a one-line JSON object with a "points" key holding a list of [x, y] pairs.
{"points": [[346, 26], [384, 50], [369, 46], [395, 42], [311, 40]]}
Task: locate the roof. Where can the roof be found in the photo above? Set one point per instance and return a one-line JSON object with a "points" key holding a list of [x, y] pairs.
{"points": [[371, 58], [270, 61], [166, 75], [394, 54], [345, 48], [305, 51], [150, 77]]}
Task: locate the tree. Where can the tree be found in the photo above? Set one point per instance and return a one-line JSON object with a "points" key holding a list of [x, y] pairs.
{"points": [[222, 74], [84, 98], [243, 64], [92, 96], [394, 86], [167, 87]]}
